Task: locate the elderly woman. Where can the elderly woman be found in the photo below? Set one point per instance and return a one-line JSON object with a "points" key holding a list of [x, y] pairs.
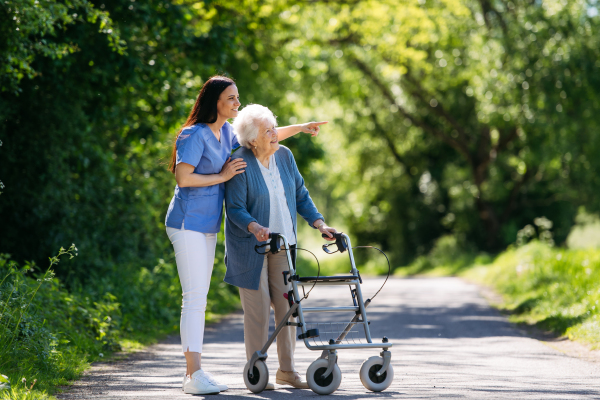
{"points": [[265, 199]]}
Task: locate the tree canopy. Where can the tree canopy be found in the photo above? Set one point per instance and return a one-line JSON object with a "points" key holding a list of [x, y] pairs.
{"points": [[449, 116], [464, 117]]}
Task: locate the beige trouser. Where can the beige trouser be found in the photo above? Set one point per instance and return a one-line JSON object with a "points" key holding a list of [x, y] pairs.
{"points": [[256, 305]]}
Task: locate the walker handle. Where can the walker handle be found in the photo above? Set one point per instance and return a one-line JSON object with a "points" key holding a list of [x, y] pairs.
{"points": [[273, 249], [339, 242]]}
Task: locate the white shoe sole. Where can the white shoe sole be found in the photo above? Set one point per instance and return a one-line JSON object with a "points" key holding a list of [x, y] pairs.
{"points": [[201, 392], [222, 388]]}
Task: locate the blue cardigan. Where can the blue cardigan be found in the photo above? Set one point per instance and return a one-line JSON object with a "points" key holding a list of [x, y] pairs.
{"points": [[247, 200]]}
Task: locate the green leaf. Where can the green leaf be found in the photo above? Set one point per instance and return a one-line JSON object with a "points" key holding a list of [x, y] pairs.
{"points": [[4, 383]]}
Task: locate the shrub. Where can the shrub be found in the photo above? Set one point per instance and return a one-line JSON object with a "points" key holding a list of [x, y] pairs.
{"points": [[50, 335], [45, 332]]}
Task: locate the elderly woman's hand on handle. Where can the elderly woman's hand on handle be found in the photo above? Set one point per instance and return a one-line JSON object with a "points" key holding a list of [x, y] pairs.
{"points": [[260, 232], [324, 229]]}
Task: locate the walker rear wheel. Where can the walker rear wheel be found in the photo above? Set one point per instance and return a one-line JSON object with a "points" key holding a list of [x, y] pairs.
{"points": [[321, 385], [369, 378], [260, 376]]}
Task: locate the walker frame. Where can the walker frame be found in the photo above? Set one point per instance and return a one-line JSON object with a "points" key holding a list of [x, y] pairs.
{"points": [[376, 372]]}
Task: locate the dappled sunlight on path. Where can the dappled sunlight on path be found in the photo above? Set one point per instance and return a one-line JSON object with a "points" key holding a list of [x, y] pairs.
{"points": [[448, 343]]}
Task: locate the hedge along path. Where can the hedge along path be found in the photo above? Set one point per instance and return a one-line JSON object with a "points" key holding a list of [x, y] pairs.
{"points": [[448, 342]]}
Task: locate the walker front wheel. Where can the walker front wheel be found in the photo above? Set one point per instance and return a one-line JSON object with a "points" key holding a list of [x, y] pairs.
{"points": [[369, 378], [260, 376], [315, 380]]}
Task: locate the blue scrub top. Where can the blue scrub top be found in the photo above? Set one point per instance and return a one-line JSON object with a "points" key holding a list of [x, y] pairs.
{"points": [[201, 207]]}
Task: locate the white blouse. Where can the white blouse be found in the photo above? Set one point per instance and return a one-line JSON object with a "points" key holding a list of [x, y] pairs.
{"points": [[280, 220]]}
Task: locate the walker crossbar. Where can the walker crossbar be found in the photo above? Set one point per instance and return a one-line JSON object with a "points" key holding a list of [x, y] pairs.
{"points": [[335, 278]]}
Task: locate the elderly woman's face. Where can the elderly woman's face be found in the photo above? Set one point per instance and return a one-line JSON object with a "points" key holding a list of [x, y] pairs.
{"points": [[267, 140], [229, 102]]}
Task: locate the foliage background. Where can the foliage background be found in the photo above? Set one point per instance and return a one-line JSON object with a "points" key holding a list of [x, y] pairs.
{"points": [[453, 125]]}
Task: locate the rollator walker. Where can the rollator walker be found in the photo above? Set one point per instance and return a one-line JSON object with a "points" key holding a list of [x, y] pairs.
{"points": [[323, 375]]}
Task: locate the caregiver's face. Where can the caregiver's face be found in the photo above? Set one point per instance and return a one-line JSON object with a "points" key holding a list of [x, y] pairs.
{"points": [[267, 139], [229, 102]]}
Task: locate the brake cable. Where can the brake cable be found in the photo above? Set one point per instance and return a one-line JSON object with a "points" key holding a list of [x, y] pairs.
{"points": [[341, 247], [389, 266]]}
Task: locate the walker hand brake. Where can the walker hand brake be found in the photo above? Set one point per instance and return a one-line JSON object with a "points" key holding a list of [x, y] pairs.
{"points": [[273, 249], [339, 242]]}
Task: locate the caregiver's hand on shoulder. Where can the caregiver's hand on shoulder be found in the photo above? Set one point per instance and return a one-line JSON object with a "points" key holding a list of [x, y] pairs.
{"points": [[312, 127], [260, 232], [232, 168], [326, 230]]}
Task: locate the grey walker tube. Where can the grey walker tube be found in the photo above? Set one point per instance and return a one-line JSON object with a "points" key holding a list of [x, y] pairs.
{"points": [[262, 354]]}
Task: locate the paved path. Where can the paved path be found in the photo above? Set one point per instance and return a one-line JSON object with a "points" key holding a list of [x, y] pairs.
{"points": [[448, 343]]}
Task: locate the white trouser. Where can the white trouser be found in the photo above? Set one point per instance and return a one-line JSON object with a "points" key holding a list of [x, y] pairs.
{"points": [[195, 256]]}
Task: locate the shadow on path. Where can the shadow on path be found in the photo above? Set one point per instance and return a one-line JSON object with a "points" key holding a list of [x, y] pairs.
{"points": [[448, 343]]}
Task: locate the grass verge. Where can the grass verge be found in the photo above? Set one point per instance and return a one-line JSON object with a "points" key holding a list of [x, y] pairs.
{"points": [[49, 335], [556, 289]]}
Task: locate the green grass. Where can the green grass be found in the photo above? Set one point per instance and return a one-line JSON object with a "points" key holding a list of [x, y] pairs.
{"points": [[555, 289]]}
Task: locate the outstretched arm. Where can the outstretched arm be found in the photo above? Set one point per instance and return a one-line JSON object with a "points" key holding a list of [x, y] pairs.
{"points": [[310, 127]]}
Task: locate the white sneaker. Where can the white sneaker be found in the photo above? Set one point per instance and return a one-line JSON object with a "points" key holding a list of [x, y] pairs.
{"points": [[222, 387], [199, 384]]}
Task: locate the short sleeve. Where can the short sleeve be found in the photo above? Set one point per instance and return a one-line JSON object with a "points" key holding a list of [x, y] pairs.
{"points": [[190, 147]]}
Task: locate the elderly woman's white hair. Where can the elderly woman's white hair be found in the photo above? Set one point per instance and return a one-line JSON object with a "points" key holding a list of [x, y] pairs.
{"points": [[249, 120]]}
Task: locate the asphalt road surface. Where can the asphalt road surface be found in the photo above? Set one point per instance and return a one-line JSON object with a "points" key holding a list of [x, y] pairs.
{"points": [[448, 343]]}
